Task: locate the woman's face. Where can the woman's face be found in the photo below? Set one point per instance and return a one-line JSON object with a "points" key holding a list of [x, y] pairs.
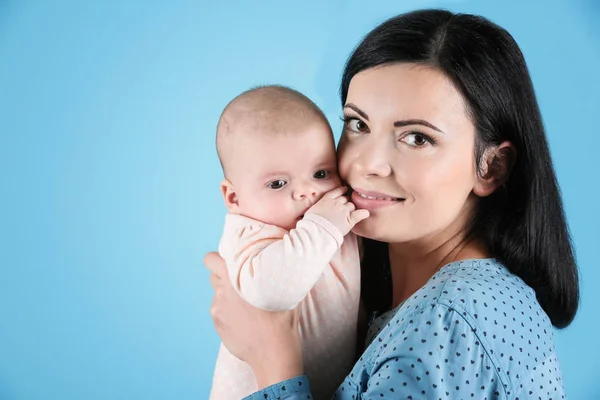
{"points": [[407, 151]]}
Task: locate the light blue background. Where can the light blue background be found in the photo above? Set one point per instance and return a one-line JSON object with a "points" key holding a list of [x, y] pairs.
{"points": [[109, 176]]}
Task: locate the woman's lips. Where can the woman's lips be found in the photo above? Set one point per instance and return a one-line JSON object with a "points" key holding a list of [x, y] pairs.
{"points": [[370, 200]]}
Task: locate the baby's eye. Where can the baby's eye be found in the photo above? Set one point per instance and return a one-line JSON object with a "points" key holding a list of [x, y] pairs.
{"points": [[278, 184], [321, 174]]}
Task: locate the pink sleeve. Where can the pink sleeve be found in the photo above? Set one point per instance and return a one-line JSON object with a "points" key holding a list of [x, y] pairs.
{"points": [[272, 268]]}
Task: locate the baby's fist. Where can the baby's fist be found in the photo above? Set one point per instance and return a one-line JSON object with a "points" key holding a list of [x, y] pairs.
{"points": [[336, 208]]}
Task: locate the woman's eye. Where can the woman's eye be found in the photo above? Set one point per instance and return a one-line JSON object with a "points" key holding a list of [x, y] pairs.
{"points": [[321, 174], [278, 184], [417, 140], [356, 125]]}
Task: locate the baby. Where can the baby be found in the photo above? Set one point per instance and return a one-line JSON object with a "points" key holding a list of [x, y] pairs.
{"points": [[286, 239]]}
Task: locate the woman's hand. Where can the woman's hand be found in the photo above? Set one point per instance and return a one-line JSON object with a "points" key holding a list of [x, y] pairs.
{"points": [[268, 341]]}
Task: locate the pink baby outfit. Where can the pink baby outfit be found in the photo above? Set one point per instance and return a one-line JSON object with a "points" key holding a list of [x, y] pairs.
{"points": [[312, 266]]}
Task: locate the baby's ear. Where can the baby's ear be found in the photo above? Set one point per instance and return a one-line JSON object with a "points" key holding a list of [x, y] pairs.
{"points": [[496, 166], [229, 196]]}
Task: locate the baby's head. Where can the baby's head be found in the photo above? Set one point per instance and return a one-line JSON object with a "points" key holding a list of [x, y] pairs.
{"points": [[278, 155]]}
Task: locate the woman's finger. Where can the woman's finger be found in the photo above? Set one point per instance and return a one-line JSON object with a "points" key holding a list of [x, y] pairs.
{"points": [[215, 264], [215, 281]]}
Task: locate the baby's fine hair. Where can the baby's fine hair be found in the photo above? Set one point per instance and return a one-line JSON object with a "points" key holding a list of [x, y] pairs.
{"points": [[268, 109]]}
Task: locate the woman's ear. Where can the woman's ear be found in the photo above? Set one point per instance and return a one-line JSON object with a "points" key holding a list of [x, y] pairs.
{"points": [[495, 167], [230, 196]]}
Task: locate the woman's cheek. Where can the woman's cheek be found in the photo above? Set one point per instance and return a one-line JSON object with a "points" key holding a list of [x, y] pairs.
{"points": [[349, 152], [343, 164], [439, 169]]}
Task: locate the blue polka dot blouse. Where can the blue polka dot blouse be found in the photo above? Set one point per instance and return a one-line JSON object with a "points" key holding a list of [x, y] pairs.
{"points": [[474, 331]]}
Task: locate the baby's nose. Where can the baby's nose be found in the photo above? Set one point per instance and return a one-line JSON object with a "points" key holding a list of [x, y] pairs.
{"points": [[306, 191]]}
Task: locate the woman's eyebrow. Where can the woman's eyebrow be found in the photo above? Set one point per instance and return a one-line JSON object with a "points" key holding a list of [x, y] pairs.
{"points": [[406, 122], [358, 110], [397, 124]]}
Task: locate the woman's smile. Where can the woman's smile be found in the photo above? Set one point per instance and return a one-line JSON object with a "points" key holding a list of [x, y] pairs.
{"points": [[370, 200]]}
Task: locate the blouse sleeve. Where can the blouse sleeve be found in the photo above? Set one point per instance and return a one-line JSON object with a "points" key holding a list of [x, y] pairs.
{"points": [[433, 353], [292, 389]]}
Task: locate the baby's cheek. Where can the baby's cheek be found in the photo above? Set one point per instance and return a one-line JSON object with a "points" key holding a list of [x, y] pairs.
{"points": [[279, 213], [327, 186], [336, 180], [332, 182]]}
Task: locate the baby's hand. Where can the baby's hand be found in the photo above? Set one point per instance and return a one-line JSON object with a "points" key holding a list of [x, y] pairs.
{"points": [[336, 208]]}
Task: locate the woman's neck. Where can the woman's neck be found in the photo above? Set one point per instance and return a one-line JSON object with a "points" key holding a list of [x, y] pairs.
{"points": [[414, 263]]}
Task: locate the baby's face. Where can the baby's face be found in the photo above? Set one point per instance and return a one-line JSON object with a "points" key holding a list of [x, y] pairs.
{"points": [[278, 177]]}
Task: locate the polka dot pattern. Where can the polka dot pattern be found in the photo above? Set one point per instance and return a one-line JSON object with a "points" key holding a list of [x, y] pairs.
{"points": [[474, 331]]}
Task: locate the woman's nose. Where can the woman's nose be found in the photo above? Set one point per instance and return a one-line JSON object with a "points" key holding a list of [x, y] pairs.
{"points": [[373, 160]]}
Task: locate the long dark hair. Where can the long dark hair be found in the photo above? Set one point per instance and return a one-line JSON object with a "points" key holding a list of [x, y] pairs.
{"points": [[522, 224]]}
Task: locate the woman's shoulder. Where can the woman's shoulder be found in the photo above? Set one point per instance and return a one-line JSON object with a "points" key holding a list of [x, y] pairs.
{"points": [[468, 282], [484, 292]]}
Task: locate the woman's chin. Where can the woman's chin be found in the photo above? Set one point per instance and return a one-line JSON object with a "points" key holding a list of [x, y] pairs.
{"points": [[370, 228], [383, 229]]}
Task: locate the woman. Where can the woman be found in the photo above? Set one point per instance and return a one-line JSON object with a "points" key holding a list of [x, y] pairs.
{"points": [[467, 257]]}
